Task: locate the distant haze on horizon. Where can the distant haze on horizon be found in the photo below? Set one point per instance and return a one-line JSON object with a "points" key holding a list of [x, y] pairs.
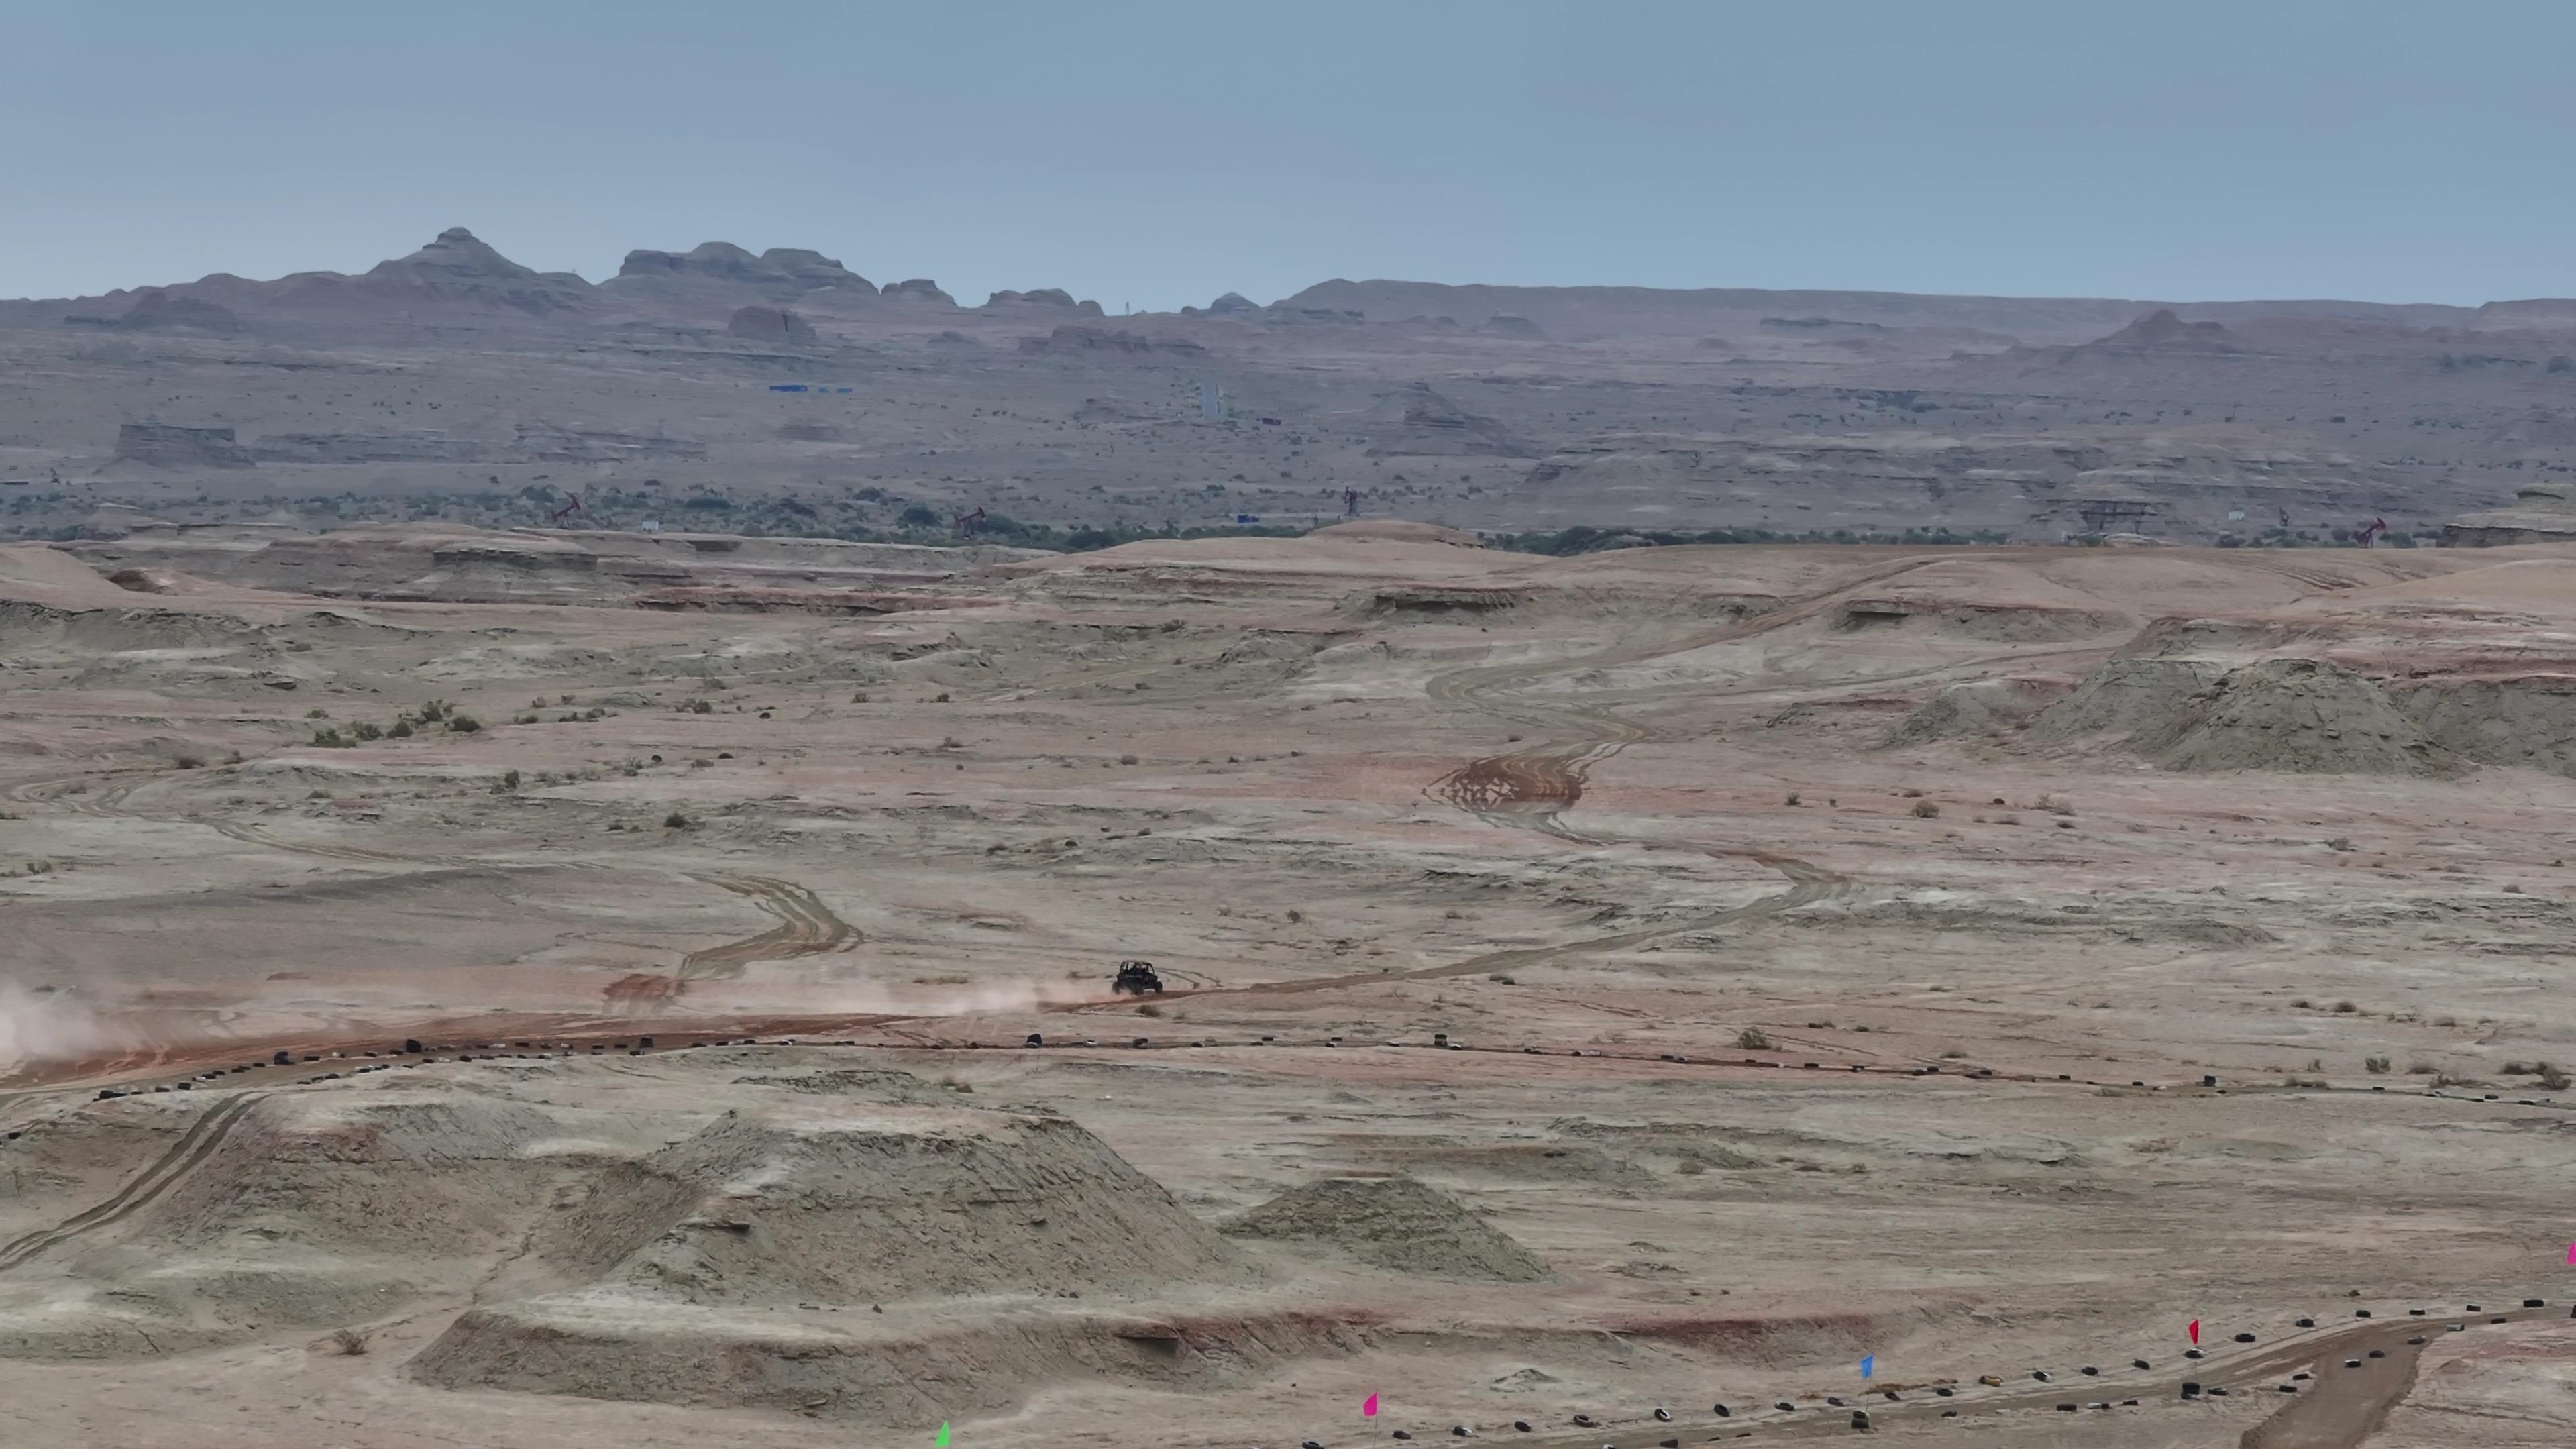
{"points": [[1157, 154]]}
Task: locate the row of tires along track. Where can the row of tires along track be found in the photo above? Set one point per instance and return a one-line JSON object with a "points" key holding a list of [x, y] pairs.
{"points": [[1994, 1393], [639, 1045]]}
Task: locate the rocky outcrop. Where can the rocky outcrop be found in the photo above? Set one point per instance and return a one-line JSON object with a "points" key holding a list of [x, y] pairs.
{"points": [[774, 325], [1232, 304], [161, 446], [1052, 298], [814, 271], [2543, 513], [1416, 421], [459, 267], [2163, 330], [157, 308], [1505, 324], [919, 289], [778, 270]]}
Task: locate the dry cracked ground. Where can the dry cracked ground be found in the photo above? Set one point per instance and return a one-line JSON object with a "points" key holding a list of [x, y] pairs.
{"points": [[1655, 979]]}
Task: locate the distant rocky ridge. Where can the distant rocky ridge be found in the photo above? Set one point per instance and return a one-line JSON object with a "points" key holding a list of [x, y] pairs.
{"points": [[1586, 313], [458, 281]]}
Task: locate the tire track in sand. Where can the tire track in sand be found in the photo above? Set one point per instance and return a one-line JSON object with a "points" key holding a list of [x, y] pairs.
{"points": [[806, 927], [194, 1146], [1532, 789]]}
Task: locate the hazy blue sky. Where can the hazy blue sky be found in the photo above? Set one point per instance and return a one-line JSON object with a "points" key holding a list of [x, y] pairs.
{"points": [[1161, 153]]}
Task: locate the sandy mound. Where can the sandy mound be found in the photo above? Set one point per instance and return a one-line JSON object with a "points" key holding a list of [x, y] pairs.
{"points": [[2297, 715], [2124, 695], [1979, 707], [883, 1204], [1394, 1223], [2529, 721], [808, 1255], [304, 1209]]}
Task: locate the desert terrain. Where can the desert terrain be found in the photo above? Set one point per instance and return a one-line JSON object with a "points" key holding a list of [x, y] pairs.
{"points": [[576, 985]]}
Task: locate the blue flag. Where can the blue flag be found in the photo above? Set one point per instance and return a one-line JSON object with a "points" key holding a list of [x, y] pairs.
{"points": [[1866, 1363]]}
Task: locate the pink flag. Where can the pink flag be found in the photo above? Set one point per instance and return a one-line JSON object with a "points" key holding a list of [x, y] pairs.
{"points": [[1368, 1407], [2195, 1330]]}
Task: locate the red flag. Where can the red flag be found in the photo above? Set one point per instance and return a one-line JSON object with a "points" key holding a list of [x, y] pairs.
{"points": [[2195, 1330]]}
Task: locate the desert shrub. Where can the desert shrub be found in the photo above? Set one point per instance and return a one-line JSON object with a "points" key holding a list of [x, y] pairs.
{"points": [[508, 782], [329, 739], [1149, 1009], [349, 1341], [1925, 810], [940, 698], [431, 712], [2376, 1066], [399, 730], [2552, 1079], [675, 821], [2345, 1008], [2420, 1069], [367, 729], [317, 714], [189, 762], [464, 724], [2516, 1069], [1126, 759], [2052, 805], [2340, 842], [1792, 800], [1753, 1039], [700, 706]]}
